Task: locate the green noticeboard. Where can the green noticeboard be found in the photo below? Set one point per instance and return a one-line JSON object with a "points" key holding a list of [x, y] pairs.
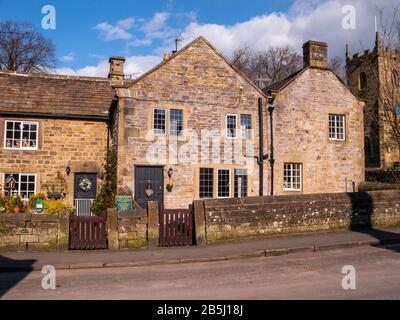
{"points": [[123, 203]]}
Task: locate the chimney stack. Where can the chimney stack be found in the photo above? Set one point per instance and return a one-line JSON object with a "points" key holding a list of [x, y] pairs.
{"points": [[315, 54], [116, 74]]}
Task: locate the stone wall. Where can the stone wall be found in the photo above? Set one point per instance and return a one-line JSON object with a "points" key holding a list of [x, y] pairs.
{"points": [[127, 230], [33, 232], [246, 218]]}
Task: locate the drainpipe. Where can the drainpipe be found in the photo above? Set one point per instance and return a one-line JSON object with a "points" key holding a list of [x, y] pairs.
{"points": [[271, 157], [261, 146]]}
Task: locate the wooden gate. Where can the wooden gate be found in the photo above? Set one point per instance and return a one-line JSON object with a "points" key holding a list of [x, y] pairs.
{"points": [[87, 232], [176, 227]]}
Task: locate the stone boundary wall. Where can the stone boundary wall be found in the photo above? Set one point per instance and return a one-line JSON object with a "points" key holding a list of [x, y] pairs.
{"points": [[127, 230], [33, 232], [256, 217]]}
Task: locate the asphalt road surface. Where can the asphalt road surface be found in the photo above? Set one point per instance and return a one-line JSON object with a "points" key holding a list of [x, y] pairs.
{"points": [[296, 276]]}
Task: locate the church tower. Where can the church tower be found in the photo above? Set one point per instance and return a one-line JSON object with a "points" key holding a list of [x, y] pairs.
{"points": [[366, 74]]}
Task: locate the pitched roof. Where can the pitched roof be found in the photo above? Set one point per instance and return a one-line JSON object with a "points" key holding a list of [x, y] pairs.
{"points": [[55, 95], [204, 40], [278, 86]]}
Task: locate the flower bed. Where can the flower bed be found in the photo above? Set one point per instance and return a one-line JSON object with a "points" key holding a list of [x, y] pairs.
{"points": [[15, 204]]}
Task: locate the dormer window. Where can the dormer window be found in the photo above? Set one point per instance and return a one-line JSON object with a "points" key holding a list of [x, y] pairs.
{"points": [[21, 135], [363, 81]]}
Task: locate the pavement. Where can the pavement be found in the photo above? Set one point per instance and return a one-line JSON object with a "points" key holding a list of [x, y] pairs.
{"points": [[271, 246]]}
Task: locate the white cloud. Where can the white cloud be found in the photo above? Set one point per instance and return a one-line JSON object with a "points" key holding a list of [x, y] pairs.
{"points": [[156, 23], [134, 66], [305, 20], [119, 31], [70, 57]]}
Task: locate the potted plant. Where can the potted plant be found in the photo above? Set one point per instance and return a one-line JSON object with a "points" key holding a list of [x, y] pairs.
{"points": [[169, 186], [16, 204]]}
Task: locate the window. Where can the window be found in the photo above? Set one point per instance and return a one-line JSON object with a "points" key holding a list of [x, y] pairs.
{"points": [[176, 122], [240, 183], [231, 125], [246, 126], [336, 127], [21, 135], [292, 176], [363, 81], [223, 183], [206, 182], [25, 184], [159, 121]]}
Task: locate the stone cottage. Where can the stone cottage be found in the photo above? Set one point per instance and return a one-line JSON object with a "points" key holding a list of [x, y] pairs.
{"points": [[194, 127], [318, 129], [187, 129], [54, 134]]}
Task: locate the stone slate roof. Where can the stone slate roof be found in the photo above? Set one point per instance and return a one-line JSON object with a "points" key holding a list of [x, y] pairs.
{"points": [[54, 95]]}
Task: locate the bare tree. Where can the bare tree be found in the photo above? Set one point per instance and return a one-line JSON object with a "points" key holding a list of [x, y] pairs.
{"points": [[24, 49], [337, 65], [266, 67]]}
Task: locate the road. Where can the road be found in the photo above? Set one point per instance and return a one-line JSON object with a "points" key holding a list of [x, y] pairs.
{"points": [[311, 275]]}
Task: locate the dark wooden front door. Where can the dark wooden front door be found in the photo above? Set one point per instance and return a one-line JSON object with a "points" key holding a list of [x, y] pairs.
{"points": [[149, 185], [84, 192]]}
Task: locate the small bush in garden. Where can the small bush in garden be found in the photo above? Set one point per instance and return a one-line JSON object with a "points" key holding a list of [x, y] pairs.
{"points": [[53, 206], [15, 204]]}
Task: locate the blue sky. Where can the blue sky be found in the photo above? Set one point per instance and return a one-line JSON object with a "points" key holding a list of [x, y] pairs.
{"points": [[88, 31]]}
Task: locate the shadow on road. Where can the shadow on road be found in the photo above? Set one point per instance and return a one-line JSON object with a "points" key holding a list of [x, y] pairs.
{"points": [[10, 279], [362, 209]]}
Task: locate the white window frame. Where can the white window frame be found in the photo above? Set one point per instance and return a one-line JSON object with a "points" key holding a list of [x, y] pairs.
{"points": [[335, 128], [22, 125], [291, 188], [165, 122], [229, 184], [170, 122], [19, 182], [236, 125], [243, 129]]}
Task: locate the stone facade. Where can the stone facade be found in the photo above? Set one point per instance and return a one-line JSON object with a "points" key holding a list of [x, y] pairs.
{"points": [[301, 133], [200, 82], [33, 232], [376, 66], [70, 116], [257, 217], [81, 144]]}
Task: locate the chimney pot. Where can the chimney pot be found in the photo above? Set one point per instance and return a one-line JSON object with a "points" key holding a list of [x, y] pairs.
{"points": [[315, 54]]}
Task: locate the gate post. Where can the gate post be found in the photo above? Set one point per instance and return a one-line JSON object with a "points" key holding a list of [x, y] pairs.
{"points": [[199, 223], [63, 231], [153, 224], [112, 229]]}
